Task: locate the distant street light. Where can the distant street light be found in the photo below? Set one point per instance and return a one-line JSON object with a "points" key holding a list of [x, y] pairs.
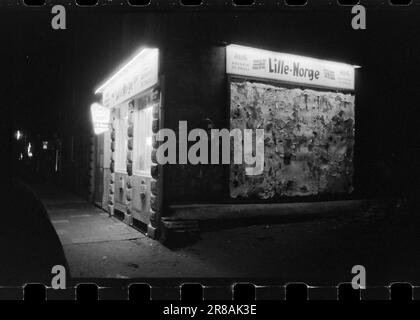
{"points": [[30, 150], [18, 135]]}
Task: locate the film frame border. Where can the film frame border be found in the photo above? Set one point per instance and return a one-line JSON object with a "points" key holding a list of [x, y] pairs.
{"points": [[236, 4], [238, 291], [193, 291]]}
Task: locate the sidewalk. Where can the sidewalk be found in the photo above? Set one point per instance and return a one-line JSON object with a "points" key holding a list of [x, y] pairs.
{"points": [[318, 252], [99, 246]]}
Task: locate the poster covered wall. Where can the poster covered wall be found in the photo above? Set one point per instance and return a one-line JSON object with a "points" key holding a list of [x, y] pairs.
{"points": [[308, 140]]}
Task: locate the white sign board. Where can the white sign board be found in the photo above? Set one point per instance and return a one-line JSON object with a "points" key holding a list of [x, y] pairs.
{"points": [[136, 76], [100, 118], [246, 61]]}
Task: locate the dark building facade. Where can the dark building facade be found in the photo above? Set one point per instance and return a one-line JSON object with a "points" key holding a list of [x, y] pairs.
{"points": [[309, 127], [321, 142]]}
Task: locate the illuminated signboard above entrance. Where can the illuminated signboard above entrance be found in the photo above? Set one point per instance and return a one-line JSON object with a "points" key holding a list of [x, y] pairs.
{"points": [[137, 75], [246, 61], [100, 118]]}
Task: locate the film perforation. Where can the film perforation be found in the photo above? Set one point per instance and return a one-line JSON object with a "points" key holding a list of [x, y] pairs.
{"points": [[140, 3], [34, 3], [34, 292], [348, 2], [401, 291], [244, 2], [192, 292], [140, 292], [297, 291], [86, 3], [400, 2], [346, 292], [296, 3], [243, 292], [87, 292], [191, 3]]}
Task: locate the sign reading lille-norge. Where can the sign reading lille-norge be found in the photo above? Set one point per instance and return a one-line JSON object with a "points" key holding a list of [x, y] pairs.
{"points": [[246, 61]]}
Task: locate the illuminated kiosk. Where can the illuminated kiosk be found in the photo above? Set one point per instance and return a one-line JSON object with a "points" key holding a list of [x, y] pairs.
{"points": [[132, 95], [304, 105]]}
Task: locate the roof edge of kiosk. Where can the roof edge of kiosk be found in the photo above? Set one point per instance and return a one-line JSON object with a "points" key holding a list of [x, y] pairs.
{"points": [[291, 68], [120, 71]]}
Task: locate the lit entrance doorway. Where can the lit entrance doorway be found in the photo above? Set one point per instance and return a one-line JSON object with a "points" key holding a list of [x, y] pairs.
{"points": [[133, 158], [142, 158]]}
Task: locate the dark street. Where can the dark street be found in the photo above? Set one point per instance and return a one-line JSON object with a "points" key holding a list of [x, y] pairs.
{"points": [[99, 246]]}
